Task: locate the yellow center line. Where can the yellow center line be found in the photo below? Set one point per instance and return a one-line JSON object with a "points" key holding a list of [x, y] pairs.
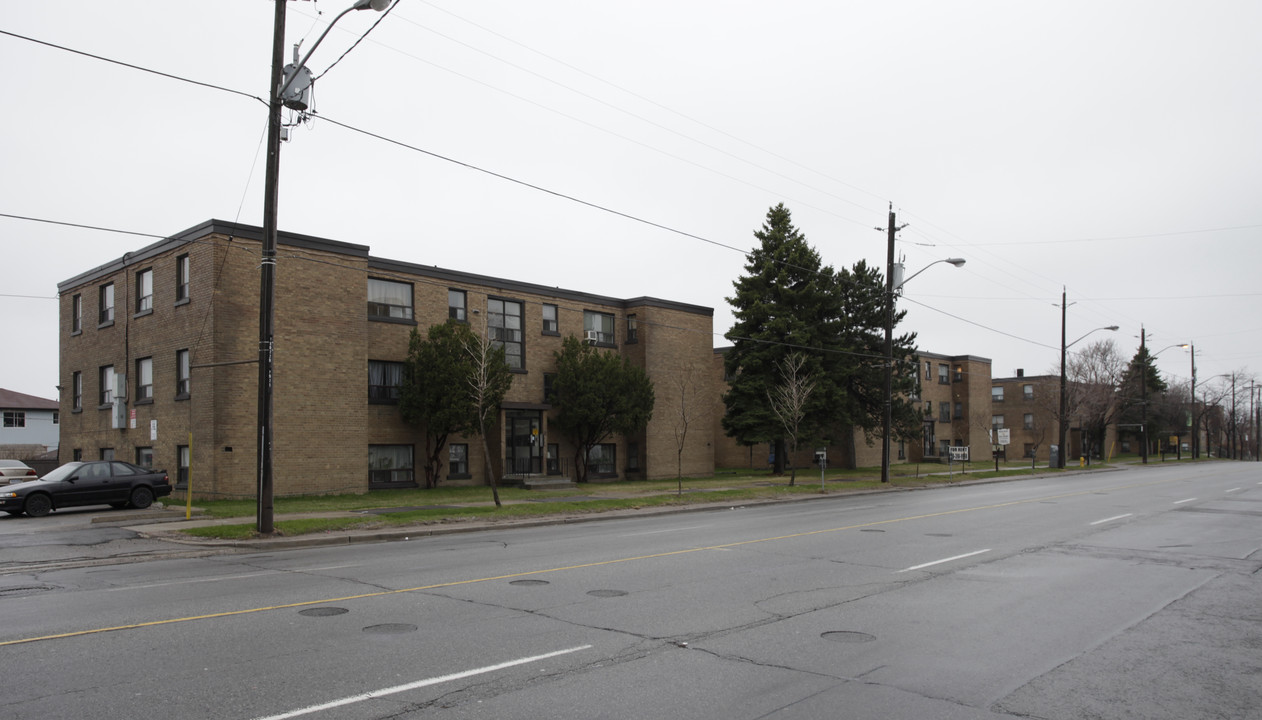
{"points": [[457, 583]]}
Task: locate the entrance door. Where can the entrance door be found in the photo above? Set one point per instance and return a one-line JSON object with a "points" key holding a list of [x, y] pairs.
{"points": [[523, 440]]}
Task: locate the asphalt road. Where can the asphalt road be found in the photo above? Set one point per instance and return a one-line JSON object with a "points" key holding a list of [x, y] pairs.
{"points": [[1129, 594]]}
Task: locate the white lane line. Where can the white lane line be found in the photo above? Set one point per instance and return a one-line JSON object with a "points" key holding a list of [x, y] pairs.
{"points": [[1234, 490], [190, 581], [944, 560], [419, 684], [1180, 502], [1115, 517]]}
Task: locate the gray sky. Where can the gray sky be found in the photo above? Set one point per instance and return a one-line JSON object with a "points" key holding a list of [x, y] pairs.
{"points": [[1109, 147]]}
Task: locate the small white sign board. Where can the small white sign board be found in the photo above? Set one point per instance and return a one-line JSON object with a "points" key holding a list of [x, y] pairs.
{"points": [[959, 453], [1005, 436]]}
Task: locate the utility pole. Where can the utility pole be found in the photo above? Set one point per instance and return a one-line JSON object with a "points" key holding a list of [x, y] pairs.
{"points": [[887, 421], [267, 282], [1196, 438], [1143, 390], [1062, 421]]}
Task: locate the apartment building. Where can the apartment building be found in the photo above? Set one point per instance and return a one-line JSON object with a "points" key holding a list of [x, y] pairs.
{"points": [[1028, 405], [159, 364], [954, 392]]}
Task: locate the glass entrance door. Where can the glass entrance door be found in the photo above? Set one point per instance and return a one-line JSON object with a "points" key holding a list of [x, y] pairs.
{"points": [[523, 440]]}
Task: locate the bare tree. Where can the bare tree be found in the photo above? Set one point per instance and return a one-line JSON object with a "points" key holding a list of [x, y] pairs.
{"points": [[1095, 374], [788, 401], [489, 380], [686, 385]]}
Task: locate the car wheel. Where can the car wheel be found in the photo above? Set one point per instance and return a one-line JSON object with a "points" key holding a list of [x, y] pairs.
{"points": [[141, 497], [118, 505], [37, 505]]}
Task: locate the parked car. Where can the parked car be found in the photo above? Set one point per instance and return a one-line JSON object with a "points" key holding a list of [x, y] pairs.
{"points": [[12, 471], [102, 482]]}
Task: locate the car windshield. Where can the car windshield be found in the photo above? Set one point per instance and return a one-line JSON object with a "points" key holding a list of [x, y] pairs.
{"points": [[62, 472]]}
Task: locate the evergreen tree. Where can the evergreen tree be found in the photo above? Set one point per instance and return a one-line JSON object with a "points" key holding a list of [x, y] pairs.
{"points": [[786, 302], [1140, 380], [598, 394]]}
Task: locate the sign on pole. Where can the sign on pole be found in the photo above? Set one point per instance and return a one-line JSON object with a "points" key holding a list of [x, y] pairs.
{"points": [[1005, 436]]}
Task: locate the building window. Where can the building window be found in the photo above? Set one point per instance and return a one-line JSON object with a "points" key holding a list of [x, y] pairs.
{"points": [[105, 376], [384, 381], [458, 460], [549, 391], [77, 455], [1029, 450], [107, 453], [390, 466], [944, 448], [928, 370], [105, 315], [944, 374], [602, 459], [387, 299], [181, 374], [185, 462], [76, 314], [144, 291], [144, 380], [550, 324], [181, 279], [504, 328], [944, 412], [76, 384], [632, 329], [633, 454], [598, 328], [1028, 421], [456, 300], [1027, 392], [996, 422], [144, 457], [959, 411], [996, 394], [56, 417], [14, 419], [928, 408]]}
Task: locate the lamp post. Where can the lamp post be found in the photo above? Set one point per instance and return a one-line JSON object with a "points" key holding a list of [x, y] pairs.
{"points": [[1062, 421], [887, 420], [278, 84]]}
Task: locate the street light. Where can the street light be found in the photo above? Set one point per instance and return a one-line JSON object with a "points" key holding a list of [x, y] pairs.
{"points": [[890, 288], [267, 283], [1062, 421]]}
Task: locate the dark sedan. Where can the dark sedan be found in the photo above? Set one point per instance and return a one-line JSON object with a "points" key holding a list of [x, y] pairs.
{"points": [[103, 482]]}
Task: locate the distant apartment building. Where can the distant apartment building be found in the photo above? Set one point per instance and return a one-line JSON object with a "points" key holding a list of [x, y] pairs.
{"points": [[159, 350], [954, 395], [1028, 405], [29, 421]]}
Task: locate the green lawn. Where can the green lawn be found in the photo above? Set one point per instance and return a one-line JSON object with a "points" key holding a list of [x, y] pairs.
{"points": [[455, 504]]}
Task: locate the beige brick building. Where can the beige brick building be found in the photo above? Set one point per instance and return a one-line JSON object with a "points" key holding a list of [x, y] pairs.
{"points": [[173, 330], [954, 394], [1028, 406]]}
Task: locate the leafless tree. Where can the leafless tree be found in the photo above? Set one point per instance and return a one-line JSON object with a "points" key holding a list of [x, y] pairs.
{"points": [[1095, 373], [489, 380], [788, 400], [686, 386]]}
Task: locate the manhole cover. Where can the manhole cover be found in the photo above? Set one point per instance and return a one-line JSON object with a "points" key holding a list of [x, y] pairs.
{"points": [[871, 530], [847, 636], [606, 593], [529, 582], [323, 611], [390, 628]]}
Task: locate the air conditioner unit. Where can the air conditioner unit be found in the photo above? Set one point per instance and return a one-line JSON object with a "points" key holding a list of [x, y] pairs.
{"points": [[591, 336]]}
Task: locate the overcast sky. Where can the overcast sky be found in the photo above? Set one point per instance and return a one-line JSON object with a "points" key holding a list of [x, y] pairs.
{"points": [[1111, 148]]}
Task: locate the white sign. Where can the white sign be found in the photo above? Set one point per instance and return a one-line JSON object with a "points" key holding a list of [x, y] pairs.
{"points": [[959, 452], [153, 430], [1005, 436]]}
